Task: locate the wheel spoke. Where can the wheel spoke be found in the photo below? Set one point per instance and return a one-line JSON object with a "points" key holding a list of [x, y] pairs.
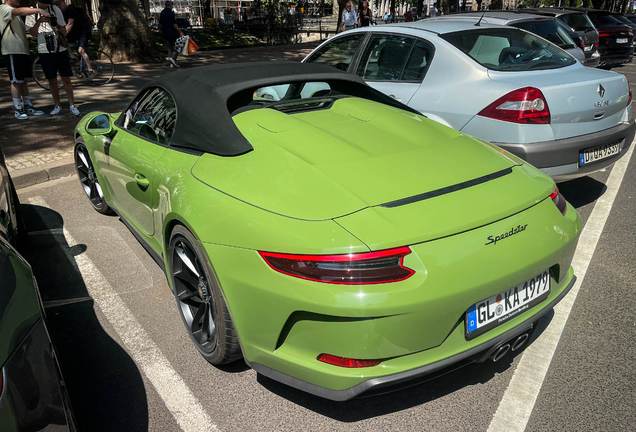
{"points": [[83, 170], [188, 295], [99, 190], [205, 327], [186, 260], [190, 281], [81, 155]]}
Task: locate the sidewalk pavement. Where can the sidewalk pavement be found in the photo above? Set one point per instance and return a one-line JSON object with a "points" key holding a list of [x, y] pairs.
{"points": [[41, 148]]}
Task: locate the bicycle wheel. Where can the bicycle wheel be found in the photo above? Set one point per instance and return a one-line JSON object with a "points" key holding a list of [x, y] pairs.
{"points": [[40, 79], [103, 67]]}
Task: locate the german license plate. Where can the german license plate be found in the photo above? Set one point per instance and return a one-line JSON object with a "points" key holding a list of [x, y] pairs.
{"points": [[587, 48], [493, 311], [621, 40], [597, 153]]}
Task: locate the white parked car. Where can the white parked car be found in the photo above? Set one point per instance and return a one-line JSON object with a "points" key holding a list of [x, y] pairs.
{"points": [[502, 84]]}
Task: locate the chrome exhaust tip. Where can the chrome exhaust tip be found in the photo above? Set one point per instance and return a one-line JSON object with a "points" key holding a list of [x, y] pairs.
{"points": [[500, 352], [520, 341]]}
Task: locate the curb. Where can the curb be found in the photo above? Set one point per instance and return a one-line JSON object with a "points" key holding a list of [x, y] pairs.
{"points": [[39, 174]]}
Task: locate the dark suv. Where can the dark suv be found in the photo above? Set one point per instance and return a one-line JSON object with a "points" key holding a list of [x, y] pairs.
{"points": [[578, 21], [615, 38]]}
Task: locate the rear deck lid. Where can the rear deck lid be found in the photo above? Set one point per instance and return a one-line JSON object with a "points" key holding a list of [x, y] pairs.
{"points": [[328, 163], [435, 217]]}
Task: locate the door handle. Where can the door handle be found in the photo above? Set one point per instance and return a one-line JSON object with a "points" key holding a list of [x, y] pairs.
{"points": [[142, 181], [396, 98], [107, 142]]}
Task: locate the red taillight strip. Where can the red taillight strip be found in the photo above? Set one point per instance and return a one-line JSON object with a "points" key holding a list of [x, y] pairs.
{"points": [[301, 266], [554, 194], [404, 250], [347, 362]]}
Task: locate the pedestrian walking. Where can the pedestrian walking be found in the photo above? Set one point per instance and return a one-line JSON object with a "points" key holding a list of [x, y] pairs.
{"points": [[171, 32], [433, 12], [349, 18], [15, 52], [79, 31], [366, 17], [54, 57]]}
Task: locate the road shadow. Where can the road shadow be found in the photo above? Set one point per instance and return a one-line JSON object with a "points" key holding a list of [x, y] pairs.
{"points": [[419, 393], [582, 191], [105, 386]]}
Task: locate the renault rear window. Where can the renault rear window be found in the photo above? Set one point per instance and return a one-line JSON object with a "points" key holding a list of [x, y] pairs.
{"points": [[509, 49]]}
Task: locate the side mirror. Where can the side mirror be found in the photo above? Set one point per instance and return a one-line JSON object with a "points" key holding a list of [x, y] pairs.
{"points": [[100, 125]]}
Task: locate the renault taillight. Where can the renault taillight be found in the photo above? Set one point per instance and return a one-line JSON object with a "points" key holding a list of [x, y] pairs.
{"points": [[525, 105]]}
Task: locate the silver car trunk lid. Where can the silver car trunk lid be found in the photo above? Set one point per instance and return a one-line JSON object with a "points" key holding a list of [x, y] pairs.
{"points": [[581, 100]]}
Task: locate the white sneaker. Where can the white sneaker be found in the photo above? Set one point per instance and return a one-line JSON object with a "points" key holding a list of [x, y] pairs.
{"points": [[56, 111], [74, 111], [173, 63], [31, 110], [20, 114]]}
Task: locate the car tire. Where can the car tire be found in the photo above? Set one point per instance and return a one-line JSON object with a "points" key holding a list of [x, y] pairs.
{"points": [[88, 179], [200, 300]]}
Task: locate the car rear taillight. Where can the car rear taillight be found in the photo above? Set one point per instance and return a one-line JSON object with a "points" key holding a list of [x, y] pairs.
{"points": [[559, 201], [596, 43], [350, 269], [525, 105], [604, 34], [347, 362], [582, 44], [629, 100]]}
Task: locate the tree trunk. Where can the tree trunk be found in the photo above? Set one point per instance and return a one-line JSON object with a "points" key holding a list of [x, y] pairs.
{"points": [[145, 7], [597, 4], [124, 32]]}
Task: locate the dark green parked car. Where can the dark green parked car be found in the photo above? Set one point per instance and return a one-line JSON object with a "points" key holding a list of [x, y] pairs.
{"points": [[32, 396]]}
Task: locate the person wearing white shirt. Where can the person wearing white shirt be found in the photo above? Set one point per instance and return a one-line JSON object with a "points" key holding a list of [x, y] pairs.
{"points": [[434, 10], [15, 52], [349, 17], [54, 58]]}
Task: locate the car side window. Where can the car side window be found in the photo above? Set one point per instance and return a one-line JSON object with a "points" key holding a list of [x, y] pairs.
{"points": [[418, 62], [338, 53], [386, 57], [152, 116]]}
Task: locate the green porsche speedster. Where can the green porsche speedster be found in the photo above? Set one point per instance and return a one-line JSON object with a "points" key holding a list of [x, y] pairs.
{"points": [[331, 236]]}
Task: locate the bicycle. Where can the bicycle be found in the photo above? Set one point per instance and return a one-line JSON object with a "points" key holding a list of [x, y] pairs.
{"points": [[101, 63]]}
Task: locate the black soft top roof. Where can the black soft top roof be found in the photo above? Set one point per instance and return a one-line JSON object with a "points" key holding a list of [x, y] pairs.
{"points": [[206, 96]]}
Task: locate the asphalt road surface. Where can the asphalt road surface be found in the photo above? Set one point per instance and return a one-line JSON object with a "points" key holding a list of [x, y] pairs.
{"points": [[130, 366]]}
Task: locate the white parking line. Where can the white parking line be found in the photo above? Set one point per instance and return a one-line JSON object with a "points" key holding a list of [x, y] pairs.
{"points": [[178, 398], [518, 401]]}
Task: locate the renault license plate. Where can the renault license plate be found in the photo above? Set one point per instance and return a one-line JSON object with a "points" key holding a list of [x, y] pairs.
{"points": [[597, 153], [493, 311]]}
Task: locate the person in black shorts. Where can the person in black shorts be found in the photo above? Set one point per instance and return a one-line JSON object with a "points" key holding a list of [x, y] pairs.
{"points": [[54, 57], [77, 31], [15, 52]]}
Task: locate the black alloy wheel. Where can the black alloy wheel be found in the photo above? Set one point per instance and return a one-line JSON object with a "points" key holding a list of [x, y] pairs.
{"points": [[200, 300], [88, 179]]}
